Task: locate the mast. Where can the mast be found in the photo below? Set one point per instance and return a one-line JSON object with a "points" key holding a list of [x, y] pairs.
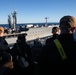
{"points": [[9, 21], [46, 21], [15, 21]]}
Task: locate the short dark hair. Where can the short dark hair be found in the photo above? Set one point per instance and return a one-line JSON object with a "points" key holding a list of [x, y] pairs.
{"points": [[55, 29]]}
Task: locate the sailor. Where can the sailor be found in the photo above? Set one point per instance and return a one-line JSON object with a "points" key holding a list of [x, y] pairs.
{"points": [[21, 50], [3, 43], [59, 57], [6, 63], [55, 32], [36, 49]]}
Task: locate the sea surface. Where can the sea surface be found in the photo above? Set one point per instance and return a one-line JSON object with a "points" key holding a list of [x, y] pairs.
{"points": [[22, 24]]}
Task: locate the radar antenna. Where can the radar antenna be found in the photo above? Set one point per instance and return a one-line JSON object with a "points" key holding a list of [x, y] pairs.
{"points": [[46, 20]]}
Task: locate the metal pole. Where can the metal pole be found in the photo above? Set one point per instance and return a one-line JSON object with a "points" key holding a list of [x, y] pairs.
{"points": [[46, 21]]}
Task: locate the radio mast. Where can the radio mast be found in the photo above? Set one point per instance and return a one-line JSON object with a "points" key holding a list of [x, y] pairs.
{"points": [[9, 21], [15, 20], [46, 21]]}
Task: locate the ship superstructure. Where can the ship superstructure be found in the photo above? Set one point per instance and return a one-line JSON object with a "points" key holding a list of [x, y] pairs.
{"points": [[32, 31]]}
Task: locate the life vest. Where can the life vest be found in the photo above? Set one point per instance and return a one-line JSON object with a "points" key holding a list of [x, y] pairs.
{"points": [[60, 49]]}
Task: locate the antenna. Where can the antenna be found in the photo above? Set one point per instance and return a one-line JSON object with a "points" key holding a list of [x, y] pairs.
{"points": [[46, 20]]}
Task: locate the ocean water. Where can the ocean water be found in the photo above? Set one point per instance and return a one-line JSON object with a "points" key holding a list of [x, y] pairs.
{"points": [[7, 26], [40, 24]]}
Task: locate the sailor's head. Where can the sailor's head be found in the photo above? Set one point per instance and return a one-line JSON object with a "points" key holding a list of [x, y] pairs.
{"points": [[55, 30], [21, 38], [67, 23], [1, 31]]}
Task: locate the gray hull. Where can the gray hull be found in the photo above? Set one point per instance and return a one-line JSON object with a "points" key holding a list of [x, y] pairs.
{"points": [[33, 33]]}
